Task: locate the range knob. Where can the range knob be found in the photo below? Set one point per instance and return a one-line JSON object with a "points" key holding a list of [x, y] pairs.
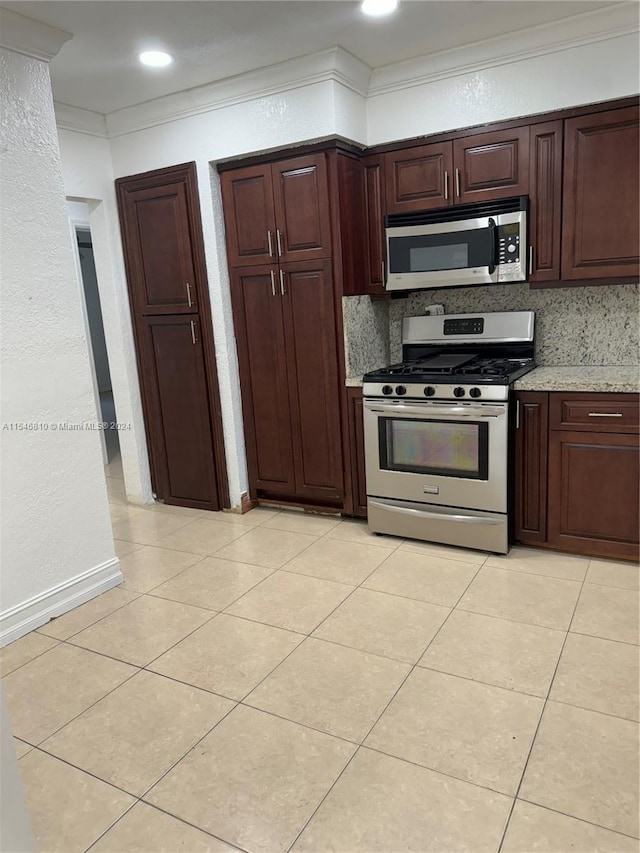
{"points": [[458, 392], [429, 391], [387, 389], [401, 390], [475, 392]]}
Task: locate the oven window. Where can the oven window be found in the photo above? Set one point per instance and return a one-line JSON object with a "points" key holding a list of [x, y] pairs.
{"points": [[448, 448], [446, 250]]}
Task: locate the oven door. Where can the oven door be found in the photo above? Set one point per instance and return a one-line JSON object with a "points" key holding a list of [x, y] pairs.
{"points": [[450, 454]]}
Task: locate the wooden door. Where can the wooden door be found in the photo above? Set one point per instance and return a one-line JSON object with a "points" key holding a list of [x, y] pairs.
{"points": [[301, 197], [249, 215], [593, 493], [600, 218], [179, 427], [532, 420], [545, 201], [419, 178], [375, 212], [157, 229], [312, 361], [491, 165], [260, 337]]}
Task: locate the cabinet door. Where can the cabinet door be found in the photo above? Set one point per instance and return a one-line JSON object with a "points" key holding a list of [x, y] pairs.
{"points": [[593, 493], [356, 441], [157, 236], [531, 466], [258, 319], [545, 201], [178, 426], [491, 165], [600, 222], [312, 362], [301, 199], [419, 178], [249, 216]]}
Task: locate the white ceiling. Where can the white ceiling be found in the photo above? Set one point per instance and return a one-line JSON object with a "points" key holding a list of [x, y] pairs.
{"points": [[98, 70]]}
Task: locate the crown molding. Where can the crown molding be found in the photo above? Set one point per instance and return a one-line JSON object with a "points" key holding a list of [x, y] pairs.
{"points": [[579, 30], [29, 37], [80, 120], [335, 64]]}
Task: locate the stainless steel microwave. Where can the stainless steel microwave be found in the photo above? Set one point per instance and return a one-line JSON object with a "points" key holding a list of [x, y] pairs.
{"points": [[458, 246]]}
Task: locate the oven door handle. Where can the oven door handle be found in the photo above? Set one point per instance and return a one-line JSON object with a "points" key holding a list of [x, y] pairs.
{"points": [[425, 513], [444, 411]]}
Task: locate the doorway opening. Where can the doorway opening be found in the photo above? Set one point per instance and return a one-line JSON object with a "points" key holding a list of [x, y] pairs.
{"points": [[99, 360]]}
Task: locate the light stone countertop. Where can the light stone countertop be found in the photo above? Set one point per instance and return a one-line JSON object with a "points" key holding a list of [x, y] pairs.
{"points": [[588, 378], [353, 381]]}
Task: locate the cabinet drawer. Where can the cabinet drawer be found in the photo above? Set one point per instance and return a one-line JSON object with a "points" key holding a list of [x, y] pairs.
{"points": [[615, 413]]}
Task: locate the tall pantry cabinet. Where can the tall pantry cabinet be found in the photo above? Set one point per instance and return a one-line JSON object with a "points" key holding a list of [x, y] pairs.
{"points": [[287, 261], [168, 294]]}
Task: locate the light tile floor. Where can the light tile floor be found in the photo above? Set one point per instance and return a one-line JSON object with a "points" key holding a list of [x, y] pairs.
{"points": [[282, 681]]}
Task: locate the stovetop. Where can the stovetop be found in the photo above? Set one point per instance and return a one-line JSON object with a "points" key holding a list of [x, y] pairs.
{"points": [[458, 368]]}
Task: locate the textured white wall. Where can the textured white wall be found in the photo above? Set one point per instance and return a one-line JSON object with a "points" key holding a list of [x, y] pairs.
{"points": [[55, 519]]}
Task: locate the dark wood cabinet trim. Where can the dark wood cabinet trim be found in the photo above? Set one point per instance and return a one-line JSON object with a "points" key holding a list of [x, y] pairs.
{"points": [[155, 178], [356, 447], [532, 435], [545, 200]]}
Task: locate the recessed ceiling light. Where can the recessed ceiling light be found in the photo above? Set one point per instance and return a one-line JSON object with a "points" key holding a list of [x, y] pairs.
{"points": [[378, 8], [155, 58]]}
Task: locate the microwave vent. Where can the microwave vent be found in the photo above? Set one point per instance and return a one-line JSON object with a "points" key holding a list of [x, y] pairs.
{"points": [[458, 212]]}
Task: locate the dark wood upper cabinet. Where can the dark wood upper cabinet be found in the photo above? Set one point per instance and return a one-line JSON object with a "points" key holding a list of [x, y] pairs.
{"points": [[375, 210], [419, 178], [303, 222], [277, 212], [532, 424], [179, 427], [545, 201], [491, 165], [259, 323], [312, 367], [158, 234], [600, 233], [249, 215]]}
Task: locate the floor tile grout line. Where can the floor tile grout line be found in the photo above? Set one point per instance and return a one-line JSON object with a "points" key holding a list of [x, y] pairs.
{"points": [[514, 621], [39, 655], [605, 639], [580, 819], [200, 559], [111, 826], [135, 595], [593, 710], [540, 719]]}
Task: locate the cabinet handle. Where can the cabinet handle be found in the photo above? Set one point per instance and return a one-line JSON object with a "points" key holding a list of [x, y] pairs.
{"points": [[382, 270], [530, 260], [282, 290], [446, 185], [517, 414], [270, 244], [193, 333], [189, 299], [605, 414], [273, 283], [458, 182], [278, 238]]}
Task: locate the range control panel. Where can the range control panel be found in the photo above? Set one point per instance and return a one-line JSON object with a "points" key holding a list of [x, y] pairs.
{"points": [[464, 326]]}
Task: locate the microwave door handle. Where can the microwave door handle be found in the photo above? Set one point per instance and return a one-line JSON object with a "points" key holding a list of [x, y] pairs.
{"points": [[493, 236]]}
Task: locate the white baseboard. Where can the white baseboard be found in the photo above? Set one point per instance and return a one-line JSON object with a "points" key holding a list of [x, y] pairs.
{"points": [[37, 611]]}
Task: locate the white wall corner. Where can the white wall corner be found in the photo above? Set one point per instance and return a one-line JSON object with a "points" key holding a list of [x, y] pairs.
{"points": [[80, 120], [588, 28], [334, 64], [38, 610], [29, 37]]}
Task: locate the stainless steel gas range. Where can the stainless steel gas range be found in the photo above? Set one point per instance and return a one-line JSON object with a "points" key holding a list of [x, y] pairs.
{"points": [[439, 426]]}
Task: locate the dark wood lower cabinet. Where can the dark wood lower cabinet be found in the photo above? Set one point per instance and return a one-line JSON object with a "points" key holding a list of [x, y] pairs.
{"points": [[287, 352], [577, 473], [179, 427], [356, 442], [532, 424], [593, 493]]}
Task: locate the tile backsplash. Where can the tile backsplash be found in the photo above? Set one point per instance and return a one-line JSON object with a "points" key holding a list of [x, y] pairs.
{"points": [[574, 325]]}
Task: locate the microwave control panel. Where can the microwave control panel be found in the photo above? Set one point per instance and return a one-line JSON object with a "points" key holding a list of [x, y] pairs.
{"points": [[509, 252]]}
